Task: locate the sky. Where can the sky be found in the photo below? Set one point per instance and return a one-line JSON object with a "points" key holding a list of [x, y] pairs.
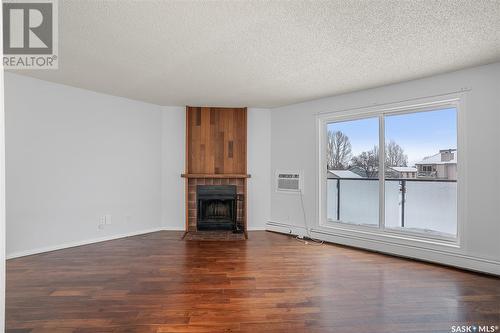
{"points": [[420, 134]]}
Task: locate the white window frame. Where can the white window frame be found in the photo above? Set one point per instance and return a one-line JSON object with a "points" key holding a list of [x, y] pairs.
{"points": [[407, 237]]}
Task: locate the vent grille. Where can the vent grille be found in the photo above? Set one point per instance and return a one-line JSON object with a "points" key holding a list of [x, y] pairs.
{"points": [[288, 181]]}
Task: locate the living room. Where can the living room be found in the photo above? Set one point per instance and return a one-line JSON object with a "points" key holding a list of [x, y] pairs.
{"points": [[216, 166]]}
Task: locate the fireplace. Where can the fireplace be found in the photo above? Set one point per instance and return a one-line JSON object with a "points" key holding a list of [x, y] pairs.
{"points": [[216, 170], [217, 207]]}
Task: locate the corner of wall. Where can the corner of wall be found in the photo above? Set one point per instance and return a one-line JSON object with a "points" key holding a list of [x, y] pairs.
{"points": [[173, 133], [259, 166]]}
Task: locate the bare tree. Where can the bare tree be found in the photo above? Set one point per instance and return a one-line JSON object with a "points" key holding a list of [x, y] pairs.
{"points": [[368, 162], [339, 150], [394, 155]]}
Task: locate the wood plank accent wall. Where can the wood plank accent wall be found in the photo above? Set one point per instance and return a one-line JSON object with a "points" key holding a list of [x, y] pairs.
{"points": [[216, 140]]}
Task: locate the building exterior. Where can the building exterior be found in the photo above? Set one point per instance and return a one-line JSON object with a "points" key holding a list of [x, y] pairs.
{"points": [[390, 172], [401, 172], [442, 165]]}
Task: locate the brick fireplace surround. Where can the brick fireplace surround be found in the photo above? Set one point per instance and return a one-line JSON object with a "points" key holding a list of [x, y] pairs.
{"points": [[191, 203]]}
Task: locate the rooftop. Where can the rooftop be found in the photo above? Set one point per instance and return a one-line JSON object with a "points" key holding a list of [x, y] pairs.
{"points": [[403, 169], [436, 158], [342, 174]]}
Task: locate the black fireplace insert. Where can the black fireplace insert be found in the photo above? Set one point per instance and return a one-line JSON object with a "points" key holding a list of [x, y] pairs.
{"points": [[217, 207]]}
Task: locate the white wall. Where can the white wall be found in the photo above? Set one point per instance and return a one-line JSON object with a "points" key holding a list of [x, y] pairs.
{"points": [[73, 155], [294, 146], [173, 160], [259, 166]]}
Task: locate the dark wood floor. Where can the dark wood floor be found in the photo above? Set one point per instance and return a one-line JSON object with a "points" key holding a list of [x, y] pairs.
{"points": [[270, 283]]}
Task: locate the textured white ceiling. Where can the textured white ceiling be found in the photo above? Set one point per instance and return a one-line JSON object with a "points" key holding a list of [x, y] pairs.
{"points": [[265, 53]]}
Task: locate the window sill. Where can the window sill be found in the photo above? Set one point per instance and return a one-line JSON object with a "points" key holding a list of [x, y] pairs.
{"points": [[371, 233]]}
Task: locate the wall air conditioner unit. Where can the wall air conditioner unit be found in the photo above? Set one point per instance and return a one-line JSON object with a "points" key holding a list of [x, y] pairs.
{"points": [[289, 181]]}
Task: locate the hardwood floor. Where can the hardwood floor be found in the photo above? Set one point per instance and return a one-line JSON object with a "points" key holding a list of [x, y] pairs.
{"points": [[270, 283]]}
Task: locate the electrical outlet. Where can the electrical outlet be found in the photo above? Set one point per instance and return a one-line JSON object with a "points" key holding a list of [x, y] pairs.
{"points": [[102, 219], [107, 219]]}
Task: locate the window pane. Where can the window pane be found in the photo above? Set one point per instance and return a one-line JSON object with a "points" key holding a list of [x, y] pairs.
{"points": [[421, 172], [352, 172]]}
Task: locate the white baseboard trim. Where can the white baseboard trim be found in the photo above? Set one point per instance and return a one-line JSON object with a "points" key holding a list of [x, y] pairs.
{"points": [[258, 228], [173, 228], [458, 260], [97, 240], [80, 243]]}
